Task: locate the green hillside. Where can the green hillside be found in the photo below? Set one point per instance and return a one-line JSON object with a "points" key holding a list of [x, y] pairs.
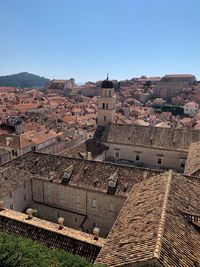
{"points": [[23, 80]]}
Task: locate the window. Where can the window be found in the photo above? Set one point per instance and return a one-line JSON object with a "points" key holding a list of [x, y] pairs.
{"points": [[117, 154], [104, 118], [10, 195], [94, 203], [11, 207], [58, 215], [109, 92], [103, 105], [106, 106], [24, 196], [75, 220], [159, 161], [14, 153], [111, 207], [182, 164], [137, 157], [78, 200], [25, 185]]}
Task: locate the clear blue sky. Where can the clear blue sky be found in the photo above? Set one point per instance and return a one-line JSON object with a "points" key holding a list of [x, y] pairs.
{"points": [[85, 39]]}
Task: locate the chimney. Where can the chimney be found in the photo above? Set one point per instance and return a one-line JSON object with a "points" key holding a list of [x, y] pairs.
{"points": [[89, 156], [61, 222], [96, 232], [8, 141], [29, 213], [1, 205]]}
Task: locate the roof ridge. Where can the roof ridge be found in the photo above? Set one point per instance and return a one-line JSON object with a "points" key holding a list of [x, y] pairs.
{"points": [[162, 219]]}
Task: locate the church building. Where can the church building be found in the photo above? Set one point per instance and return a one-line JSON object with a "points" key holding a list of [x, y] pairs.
{"points": [[144, 146]]}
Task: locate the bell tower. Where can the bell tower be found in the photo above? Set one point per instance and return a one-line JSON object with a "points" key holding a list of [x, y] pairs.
{"points": [[106, 104]]}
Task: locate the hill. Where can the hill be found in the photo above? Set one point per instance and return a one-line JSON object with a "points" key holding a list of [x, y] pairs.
{"points": [[23, 80]]}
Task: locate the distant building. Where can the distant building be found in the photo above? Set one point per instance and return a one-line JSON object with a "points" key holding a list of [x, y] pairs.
{"points": [[16, 123], [35, 140], [171, 85], [189, 79], [89, 91], [61, 86]]}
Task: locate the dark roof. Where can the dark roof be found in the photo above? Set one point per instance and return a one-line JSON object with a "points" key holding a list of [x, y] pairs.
{"points": [[47, 233], [107, 84], [86, 174], [151, 225], [81, 150], [192, 166], [148, 136]]}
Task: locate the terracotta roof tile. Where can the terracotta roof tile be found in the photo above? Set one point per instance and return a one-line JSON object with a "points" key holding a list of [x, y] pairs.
{"points": [[151, 224], [86, 174], [149, 136]]}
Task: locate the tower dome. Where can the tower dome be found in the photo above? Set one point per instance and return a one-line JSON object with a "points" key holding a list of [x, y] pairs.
{"points": [[107, 84]]}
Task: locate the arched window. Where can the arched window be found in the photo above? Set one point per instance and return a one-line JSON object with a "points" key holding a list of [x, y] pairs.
{"points": [[103, 105]]}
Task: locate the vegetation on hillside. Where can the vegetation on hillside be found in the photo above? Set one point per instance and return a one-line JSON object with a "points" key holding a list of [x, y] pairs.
{"points": [[21, 252], [23, 80]]}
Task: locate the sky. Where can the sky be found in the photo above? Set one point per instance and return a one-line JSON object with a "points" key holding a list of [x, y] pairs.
{"points": [[86, 39]]}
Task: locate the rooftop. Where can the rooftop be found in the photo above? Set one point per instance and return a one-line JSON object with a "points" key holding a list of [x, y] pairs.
{"points": [[148, 136], [85, 174], [11, 178], [107, 84], [151, 224], [192, 166], [81, 150], [179, 75], [41, 135]]}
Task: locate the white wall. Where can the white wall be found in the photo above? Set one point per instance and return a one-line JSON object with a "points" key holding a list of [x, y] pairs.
{"points": [[148, 156], [20, 198]]}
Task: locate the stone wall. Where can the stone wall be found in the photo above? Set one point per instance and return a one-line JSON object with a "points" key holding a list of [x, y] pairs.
{"points": [[81, 208], [19, 199], [148, 157]]}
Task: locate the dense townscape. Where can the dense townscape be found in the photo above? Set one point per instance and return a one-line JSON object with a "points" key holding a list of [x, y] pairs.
{"points": [[108, 171]]}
